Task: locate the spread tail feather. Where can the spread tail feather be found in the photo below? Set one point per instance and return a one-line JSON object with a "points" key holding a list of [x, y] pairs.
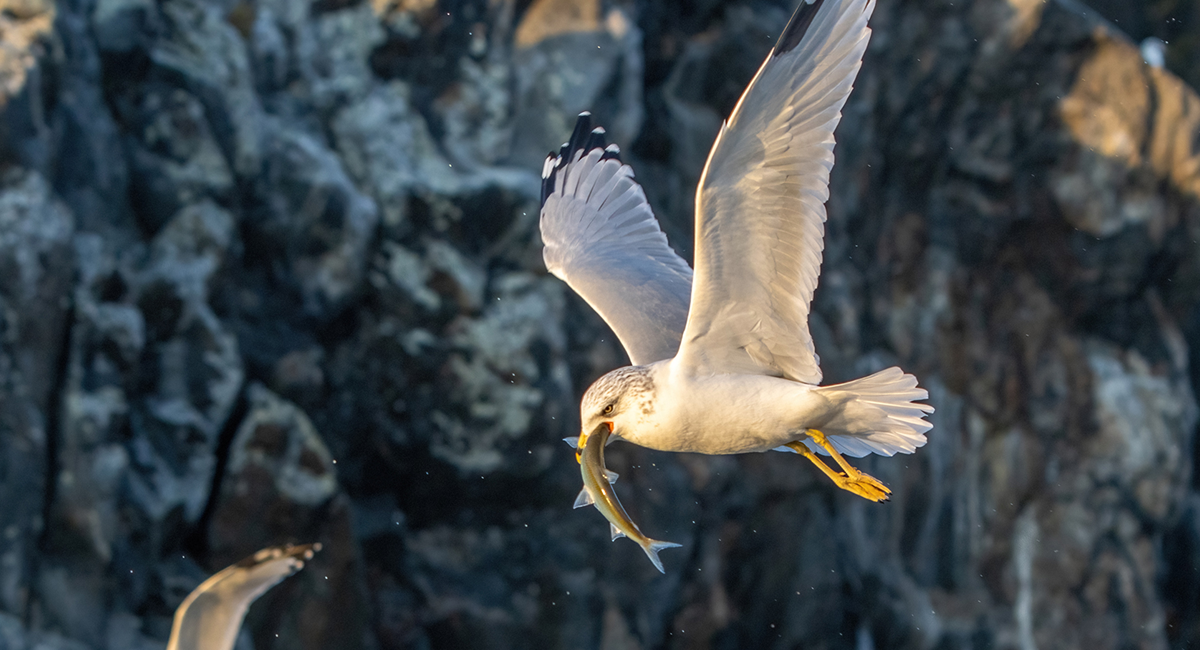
{"points": [[883, 416]]}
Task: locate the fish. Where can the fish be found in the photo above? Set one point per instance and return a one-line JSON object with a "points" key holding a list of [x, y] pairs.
{"points": [[598, 491]]}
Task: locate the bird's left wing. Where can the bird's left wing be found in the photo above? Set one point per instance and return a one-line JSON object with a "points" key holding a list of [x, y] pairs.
{"points": [[210, 617], [760, 205], [602, 238]]}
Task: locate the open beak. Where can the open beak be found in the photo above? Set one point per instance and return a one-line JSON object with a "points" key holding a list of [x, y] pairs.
{"points": [[583, 438]]}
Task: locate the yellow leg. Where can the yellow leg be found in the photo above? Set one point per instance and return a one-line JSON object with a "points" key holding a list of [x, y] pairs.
{"points": [[860, 483]]}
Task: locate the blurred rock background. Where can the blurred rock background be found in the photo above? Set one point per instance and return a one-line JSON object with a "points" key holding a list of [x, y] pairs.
{"points": [[270, 271]]}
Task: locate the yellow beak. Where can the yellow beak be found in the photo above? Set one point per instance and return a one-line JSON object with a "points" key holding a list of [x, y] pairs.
{"points": [[583, 438]]}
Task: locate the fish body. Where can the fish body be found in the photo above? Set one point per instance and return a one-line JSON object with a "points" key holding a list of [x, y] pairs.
{"points": [[598, 491]]}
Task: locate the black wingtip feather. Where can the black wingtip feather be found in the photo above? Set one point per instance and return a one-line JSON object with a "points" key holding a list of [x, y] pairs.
{"points": [[596, 139], [798, 26], [583, 138], [583, 130]]}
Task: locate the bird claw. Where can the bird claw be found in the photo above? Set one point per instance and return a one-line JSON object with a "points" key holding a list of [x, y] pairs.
{"points": [[865, 486], [849, 479]]}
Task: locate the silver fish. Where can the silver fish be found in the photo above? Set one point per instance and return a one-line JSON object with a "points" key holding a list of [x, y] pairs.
{"points": [[597, 490]]}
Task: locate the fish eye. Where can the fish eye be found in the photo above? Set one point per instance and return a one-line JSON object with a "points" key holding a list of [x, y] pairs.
{"points": [[607, 409]]}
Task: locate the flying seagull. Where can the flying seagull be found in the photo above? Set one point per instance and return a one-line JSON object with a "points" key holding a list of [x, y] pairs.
{"points": [[723, 361], [210, 617]]}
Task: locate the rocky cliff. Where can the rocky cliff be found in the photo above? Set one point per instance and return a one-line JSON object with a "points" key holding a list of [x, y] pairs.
{"points": [[270, 272]]}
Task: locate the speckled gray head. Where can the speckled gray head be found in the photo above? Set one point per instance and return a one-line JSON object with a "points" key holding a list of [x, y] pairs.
{"points": [[621, 398]]}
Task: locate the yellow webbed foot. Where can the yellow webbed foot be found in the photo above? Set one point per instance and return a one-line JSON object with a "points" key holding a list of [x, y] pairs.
{"points": [[864, 485], [850, 479]]}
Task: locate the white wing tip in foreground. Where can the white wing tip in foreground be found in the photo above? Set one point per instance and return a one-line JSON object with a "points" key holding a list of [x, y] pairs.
{"points": [[211, 616], [297, 552]]}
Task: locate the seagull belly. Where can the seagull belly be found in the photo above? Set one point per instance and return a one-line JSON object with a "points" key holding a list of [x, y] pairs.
{"points": [[735, 414]]}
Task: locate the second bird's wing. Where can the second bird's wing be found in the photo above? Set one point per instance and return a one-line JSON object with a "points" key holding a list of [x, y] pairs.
{"points": [[760, 205], [602, 239], [210, 617]]}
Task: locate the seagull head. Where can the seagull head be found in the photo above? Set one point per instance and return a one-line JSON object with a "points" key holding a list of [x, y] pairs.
{"points": [[618, 400]]}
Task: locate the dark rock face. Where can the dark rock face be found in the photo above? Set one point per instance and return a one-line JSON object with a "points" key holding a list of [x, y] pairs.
{"points": [[270, 272], [35, 285]]}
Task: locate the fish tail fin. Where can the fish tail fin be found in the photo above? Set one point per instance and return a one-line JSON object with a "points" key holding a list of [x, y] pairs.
{"points": [[652, 547]]}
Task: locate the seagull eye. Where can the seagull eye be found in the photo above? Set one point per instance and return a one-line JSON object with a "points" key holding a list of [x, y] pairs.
{"points": [[607, 409]]}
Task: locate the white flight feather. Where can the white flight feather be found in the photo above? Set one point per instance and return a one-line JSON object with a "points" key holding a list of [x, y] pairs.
{"points": [[211, 616], [760, 209], [602, 239]]}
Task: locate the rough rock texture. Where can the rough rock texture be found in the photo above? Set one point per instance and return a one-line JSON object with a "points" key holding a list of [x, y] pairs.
{"points": [[35, 284], [270, 272]]}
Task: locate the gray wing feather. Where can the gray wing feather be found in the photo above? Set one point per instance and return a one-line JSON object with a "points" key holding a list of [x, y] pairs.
{"points": [[602, 239], [760, 206], [211, 616]]}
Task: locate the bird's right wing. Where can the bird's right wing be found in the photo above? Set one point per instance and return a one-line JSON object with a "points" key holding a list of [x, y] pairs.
{"points": [[760, 206], [210, 617], [602, 239]]}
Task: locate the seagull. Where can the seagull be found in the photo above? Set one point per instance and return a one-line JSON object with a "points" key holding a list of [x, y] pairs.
{"points": [[211, 616], [723, 361]]}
